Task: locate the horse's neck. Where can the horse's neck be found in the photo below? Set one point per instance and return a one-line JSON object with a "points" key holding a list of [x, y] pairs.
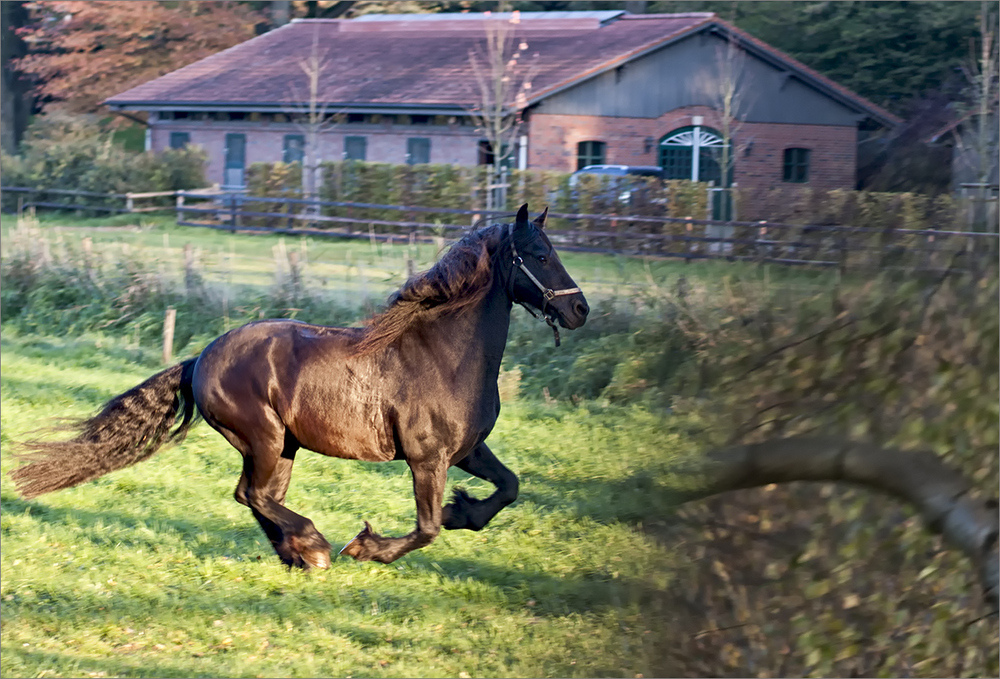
{"points": [[478, 335], [470, 342]]}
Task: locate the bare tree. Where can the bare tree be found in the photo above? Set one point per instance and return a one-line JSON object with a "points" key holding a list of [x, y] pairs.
{"points": [[731, 101], [311, 114], [725, 86], [503, 72], [977, 142]]}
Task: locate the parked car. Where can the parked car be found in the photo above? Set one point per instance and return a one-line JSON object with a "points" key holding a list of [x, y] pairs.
{"points": [[629, 181]]}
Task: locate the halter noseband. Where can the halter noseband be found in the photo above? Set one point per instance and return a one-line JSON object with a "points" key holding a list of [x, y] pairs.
{"points": [[548, 294]]}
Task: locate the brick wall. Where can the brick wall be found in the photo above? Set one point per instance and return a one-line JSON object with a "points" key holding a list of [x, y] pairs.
{"points": [[634, 141], [552, 143], [452, 144]]}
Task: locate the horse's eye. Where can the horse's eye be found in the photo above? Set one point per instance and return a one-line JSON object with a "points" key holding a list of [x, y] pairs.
{"points": [[542, 259]]}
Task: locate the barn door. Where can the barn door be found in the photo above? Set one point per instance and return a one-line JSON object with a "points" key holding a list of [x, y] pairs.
{"points": [[236, 147]]}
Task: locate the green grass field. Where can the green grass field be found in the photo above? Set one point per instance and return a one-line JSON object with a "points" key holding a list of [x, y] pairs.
{"points": [[353, 271], [156, 571]]}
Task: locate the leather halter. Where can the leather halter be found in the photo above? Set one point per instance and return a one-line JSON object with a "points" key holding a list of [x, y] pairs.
{"points": [[548, 294]]}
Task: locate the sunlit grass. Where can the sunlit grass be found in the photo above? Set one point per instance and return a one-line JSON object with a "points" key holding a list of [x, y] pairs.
{"points": [[156, 571], [358, 270]]}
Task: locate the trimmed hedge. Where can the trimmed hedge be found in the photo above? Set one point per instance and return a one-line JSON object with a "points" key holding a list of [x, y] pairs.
{"points": [[458, 187]]}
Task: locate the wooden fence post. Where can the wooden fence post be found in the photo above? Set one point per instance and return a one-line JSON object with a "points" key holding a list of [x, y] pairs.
{"points": [[294, 274], [190, 282], [180, 206], [168, 334], [280, 261], [689, 245], [88, 250]]}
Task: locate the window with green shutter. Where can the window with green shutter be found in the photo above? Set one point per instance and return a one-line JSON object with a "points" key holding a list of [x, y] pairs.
{"points": [[355, 148], [294, 149], [418, 150], [796, 168], [589, 153], [179, 140]]}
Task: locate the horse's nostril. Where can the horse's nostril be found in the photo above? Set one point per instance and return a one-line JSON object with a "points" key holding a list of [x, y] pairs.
{"points": [[581, 308]]}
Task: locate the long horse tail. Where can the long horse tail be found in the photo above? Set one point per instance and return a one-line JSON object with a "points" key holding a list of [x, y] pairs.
{"points": [[129, 429]]}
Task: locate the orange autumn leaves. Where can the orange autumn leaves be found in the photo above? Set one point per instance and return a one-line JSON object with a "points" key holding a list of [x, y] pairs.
{"points": [[80, 53]]}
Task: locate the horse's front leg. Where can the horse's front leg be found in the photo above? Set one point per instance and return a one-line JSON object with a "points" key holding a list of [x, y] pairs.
{"points": [[464, 511], [428, 488]]}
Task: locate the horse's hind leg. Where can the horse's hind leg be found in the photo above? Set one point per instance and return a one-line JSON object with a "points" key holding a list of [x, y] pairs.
{"points": [[267, 471], [464, 511]]}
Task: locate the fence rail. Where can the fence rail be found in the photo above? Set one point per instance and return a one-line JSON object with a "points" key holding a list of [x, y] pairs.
{"points": [[842, 246], [114, 203]]}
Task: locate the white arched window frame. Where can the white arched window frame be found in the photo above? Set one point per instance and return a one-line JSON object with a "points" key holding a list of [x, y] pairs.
{"points": [[696, 138]]}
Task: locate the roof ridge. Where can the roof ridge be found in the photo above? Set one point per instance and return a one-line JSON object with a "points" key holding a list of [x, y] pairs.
{"points": [[671, 15], [530, 15]]}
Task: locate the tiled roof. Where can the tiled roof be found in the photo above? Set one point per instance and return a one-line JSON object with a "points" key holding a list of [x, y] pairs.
{"points": [[416, 60]]}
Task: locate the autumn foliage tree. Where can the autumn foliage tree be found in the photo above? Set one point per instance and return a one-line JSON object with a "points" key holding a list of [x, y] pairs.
{"points": [[83, 52]]}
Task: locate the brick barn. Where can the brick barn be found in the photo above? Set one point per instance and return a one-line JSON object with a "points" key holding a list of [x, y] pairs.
{"points": [[610, 87]]}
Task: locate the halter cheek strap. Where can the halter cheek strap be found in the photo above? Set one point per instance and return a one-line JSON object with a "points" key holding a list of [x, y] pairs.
{"points": [[548, 294]]}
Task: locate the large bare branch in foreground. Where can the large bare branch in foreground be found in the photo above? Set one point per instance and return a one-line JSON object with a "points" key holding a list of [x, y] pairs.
{"points": [[942, 495]]}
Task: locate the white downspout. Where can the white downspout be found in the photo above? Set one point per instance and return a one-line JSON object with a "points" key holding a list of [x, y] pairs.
{"points": [[522, 152]]}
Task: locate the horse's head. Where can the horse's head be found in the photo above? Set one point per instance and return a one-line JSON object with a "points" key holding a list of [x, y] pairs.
{"points": [[537, 277]]}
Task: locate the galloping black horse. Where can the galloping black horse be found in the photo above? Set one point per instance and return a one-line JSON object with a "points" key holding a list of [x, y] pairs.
{"points": [[418, 383]]}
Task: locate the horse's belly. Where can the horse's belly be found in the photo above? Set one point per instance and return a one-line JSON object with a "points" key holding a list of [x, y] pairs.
{"points": [[355, 430]]}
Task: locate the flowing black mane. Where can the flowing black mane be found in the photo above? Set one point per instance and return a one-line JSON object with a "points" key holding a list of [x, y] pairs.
{"points": [[459, 279]]}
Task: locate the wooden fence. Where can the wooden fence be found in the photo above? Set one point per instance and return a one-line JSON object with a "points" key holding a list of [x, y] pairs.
{"points": [[845, 247], [88, 201]]}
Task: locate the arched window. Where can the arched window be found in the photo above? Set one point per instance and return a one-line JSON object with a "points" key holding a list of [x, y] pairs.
{"points": [[694, 153], [796, 165]]}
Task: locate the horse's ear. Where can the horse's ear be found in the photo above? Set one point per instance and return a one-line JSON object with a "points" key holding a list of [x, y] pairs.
{"points": [[522, 216], [540, 219]]}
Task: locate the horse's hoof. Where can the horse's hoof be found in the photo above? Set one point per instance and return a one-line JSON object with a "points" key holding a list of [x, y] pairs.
{"points": [[356, 547], [310, 551], [317, 559], [455, 515]]}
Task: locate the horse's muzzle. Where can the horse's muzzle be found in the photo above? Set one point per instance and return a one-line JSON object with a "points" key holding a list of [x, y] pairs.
{"points": [[575, 313]]}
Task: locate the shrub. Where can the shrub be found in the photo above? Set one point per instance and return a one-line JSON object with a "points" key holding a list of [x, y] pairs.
{"points": [[74, 153]]}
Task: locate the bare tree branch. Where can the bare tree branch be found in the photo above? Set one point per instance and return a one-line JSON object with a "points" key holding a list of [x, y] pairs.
{"points": [[503, 71], [312, 115], [727, 88], [942, 495], [977, 147]]}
